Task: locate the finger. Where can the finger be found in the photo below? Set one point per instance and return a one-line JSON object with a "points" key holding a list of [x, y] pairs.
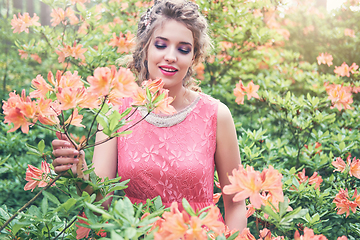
{"points": [[64, 161], [62, 168], [61, 144], [65, 152]]}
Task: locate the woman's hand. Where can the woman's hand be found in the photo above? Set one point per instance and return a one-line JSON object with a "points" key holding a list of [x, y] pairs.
{"points": [[66, 156]]}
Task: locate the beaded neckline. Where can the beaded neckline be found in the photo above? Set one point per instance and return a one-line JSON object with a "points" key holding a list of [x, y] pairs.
{"points": [[168, 120]]}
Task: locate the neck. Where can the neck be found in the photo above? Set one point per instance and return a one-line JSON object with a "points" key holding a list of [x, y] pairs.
{"points": [[182, 98]]}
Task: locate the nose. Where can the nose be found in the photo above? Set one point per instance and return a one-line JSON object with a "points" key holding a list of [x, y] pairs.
{"points": [[170, 55]]}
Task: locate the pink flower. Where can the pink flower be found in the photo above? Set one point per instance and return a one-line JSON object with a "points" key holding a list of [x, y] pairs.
{"points": [[37, 177]]}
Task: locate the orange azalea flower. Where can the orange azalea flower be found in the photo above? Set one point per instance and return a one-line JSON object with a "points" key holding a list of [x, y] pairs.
{"points": [[340, 96], [139, 97], [41, 86], [199, 69], [239, 93], [212, 222], [250, 183], [101, 81], [71, 15], [315, 179], [245, 183], [69, 80], [75, 119], [17, 118], [78, 52], [349, 32], [339, 164], [23, 23], [265, 234], [23, 54], [251, 90], [82, 232], [123, 84], [67, 98], [57, 16], [36, 58], [325, 58], [308, 235], [353, 166], [164, 106], [174, 226], [153, 85], [250, 210], [245, 235], [37, 177], [196, 232], [271, 182], [124, 43], [353, 68], [17, 109], [343, 204], [342, 238], [216, 197], [343, 70]]}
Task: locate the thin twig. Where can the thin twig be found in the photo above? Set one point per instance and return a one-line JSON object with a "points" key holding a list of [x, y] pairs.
{"points": [[71, 223], [93, 122], [31, 201]]}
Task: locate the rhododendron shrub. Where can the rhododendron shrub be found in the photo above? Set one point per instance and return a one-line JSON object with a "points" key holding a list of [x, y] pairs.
{"points": [[289, 75]]}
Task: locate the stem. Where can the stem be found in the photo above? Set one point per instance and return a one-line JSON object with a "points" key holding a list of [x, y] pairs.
{"points": [[93, 122], [31, 201], [109, 138], [71, 223], [131, 114]]}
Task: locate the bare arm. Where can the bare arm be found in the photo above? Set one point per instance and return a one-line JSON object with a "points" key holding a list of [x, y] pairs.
{"points": [[227, 157]]}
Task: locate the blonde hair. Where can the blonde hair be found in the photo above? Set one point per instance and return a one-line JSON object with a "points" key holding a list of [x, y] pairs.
{"points": [[181, 11]]}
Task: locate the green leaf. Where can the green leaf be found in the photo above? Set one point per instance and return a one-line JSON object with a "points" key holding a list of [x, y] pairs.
{"points": [[297, 213], [233, 236], [130, 232], [115, 236], [98, 210], [51, 197], [4, 160], [269, 211], [44, 206], [41, 146], [187, 207]]}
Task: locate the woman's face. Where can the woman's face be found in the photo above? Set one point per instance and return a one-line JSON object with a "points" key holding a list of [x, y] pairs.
{"points": [[170, 53]]}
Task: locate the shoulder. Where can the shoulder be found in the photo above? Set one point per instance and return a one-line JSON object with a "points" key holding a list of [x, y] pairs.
{"points": [[224, 114]]}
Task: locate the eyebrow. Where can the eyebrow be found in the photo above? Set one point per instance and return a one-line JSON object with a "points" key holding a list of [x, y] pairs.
{"points": [[165, 39]]}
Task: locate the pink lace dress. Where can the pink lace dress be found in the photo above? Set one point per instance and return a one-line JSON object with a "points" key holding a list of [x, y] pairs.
{"points": [[171, 155]]}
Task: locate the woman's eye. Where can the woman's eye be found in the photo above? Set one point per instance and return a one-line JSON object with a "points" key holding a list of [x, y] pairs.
{"points": [[160, 46], [184, 50]]}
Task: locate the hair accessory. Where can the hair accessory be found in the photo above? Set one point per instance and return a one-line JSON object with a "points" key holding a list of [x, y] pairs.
{"points": [[147, 18]]}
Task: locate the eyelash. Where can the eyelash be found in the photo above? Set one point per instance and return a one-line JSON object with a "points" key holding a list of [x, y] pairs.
{"points": [[183, 51]]}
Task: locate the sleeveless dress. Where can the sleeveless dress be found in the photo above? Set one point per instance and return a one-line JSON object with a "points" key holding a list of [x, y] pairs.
{"points": [[171, 156]]}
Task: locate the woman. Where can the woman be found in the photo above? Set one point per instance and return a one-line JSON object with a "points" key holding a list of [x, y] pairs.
{"points": [[171, 155]]}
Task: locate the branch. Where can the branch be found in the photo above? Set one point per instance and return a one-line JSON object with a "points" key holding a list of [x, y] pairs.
{"points": [[31, 201]]}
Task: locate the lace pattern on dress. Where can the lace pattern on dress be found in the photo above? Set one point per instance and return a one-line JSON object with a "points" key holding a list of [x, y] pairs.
{"points": [[168, 120]]}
